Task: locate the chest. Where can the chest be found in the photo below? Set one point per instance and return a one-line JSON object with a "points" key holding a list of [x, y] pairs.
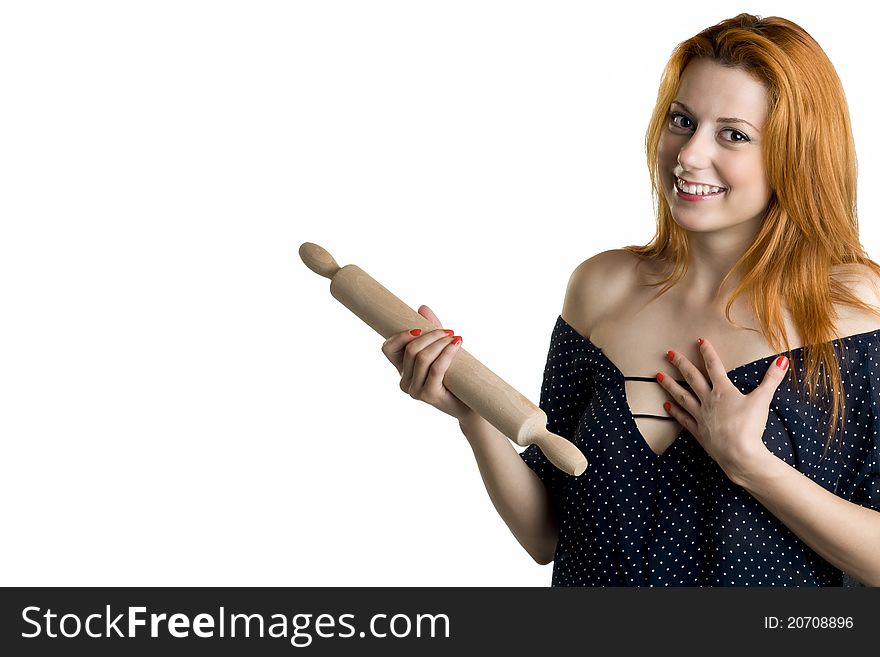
{"points": [[636, 336]]}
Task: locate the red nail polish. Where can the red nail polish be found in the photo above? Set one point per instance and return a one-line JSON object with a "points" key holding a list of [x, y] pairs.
{"points": [[457, 340], [449, 331], [416, 332], [660, 376], [700, 341], [670, 355], [667, 406], [782, 362]]}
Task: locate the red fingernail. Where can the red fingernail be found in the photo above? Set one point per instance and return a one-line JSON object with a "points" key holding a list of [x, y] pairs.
{"points": [[457, 340], [416, 332], [670, 355], [660, 376], [449, 331], [700, 341], [667, 406], [782, 362]]}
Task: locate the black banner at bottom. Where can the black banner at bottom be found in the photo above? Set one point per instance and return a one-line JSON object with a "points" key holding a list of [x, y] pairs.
{"points": [[430, 621]]}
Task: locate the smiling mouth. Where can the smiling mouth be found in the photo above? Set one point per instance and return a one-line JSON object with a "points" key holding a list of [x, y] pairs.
{"points": [[696, 190]]}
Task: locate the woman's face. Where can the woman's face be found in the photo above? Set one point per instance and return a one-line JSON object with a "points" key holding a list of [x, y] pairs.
{"points": [[702, 144]]}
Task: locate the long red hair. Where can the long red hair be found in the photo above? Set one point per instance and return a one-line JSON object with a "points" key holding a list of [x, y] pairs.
{"points": [[810, 225]]}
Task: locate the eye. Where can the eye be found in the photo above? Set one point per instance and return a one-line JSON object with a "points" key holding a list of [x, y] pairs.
{"points": [[741, 138], [683, 122], [673, 116]]}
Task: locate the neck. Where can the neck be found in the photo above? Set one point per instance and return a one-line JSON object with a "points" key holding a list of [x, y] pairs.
{"points": [[710, 257]]}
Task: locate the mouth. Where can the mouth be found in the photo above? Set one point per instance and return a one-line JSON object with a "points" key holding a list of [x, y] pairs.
{"points": [[690, 192]]}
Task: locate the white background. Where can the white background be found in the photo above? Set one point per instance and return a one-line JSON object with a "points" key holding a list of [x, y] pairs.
{"points": [[182, 402]]}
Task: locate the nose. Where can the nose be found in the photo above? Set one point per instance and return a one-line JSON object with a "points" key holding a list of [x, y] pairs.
{"points": [[695, 153]]}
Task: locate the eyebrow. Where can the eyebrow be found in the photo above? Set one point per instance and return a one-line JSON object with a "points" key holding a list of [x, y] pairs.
{"points": [[720, 119]]}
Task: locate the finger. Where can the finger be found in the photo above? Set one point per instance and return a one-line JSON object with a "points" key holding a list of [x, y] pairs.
{"points": [[427, 312], [434, 379], [714, 367], [694, 377], [682, 396], [774, 375], [411, 352], [682, 417], [423, 362], [394, 346]]}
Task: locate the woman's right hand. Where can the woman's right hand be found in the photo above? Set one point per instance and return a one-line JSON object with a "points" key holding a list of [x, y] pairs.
{"points": [[422, 361]]}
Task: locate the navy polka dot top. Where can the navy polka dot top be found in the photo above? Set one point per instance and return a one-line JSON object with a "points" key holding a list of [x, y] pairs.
{"points": [[636, 518]]}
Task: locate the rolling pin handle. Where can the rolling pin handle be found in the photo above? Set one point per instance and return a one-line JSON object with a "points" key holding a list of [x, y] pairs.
{"points": [[318, 259], [562, 453]]}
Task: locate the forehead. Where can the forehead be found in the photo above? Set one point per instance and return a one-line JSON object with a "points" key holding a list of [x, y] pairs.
{"points": [[710, 88]]}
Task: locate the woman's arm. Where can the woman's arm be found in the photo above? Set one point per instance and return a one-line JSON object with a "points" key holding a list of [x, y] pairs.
{"points": [[846, 535], [516, 491]]}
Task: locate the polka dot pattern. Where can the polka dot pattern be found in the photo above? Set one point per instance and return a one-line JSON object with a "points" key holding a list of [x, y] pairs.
{"points": [[636, 518]]}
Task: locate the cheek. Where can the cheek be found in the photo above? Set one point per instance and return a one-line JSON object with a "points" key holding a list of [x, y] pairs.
{"points": [[666, 151], [748, 177]]}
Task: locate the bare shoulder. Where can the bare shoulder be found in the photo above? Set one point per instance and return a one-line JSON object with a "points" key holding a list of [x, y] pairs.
{"points": [[862, 280], [596, 285], [864, 283]]}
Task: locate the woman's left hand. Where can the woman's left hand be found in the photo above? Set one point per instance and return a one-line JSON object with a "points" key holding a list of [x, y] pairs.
{"points": [[728, 424]]}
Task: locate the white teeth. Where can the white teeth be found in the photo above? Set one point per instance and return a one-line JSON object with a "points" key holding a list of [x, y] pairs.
{"points": [[699, 190]]}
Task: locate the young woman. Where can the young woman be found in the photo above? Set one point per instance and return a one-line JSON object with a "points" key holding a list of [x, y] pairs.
{"points": [[719, 453]]}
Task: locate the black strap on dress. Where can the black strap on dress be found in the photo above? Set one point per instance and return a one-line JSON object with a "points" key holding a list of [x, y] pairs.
{"points": [[654, 379]]}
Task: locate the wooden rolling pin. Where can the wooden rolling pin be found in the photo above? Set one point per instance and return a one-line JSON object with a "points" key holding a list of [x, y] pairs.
{"points": [[467, 378]]}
